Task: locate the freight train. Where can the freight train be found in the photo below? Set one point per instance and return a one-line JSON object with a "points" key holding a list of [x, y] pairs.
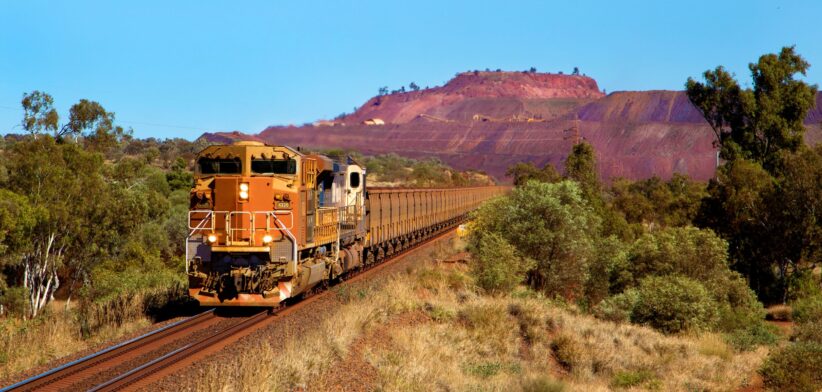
{"points": [[268, 223]]}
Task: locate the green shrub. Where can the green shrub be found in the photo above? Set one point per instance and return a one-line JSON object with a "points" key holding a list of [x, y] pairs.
{"points": [[496, 267], [754, 335], [741, 318], [803, 284], [609, 270], [701, 256], [552, 224], [735, 319], [797, 367], [739, 305], [618, 308], [14, 300], [807, 309], [698, 254], [810, 332], [673, 304]]}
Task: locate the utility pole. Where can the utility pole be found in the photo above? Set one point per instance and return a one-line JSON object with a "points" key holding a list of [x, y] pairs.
{"points": [[574, 131]]}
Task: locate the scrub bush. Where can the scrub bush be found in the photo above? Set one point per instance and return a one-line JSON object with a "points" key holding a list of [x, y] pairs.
{"points": [[673, 304], [797, 367]]}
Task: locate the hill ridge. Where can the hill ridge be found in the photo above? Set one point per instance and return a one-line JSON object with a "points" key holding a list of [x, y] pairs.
{"points": [[477, 122]]}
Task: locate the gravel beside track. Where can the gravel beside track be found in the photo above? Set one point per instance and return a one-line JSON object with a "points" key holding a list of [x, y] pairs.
{"points": [[289, 323]]}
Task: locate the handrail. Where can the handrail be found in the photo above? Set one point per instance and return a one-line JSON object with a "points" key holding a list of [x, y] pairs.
{"points": [[208, 213], [293, 243], [208, 222], [274, 215], [194, 230], [230, 230], [212, 215]]}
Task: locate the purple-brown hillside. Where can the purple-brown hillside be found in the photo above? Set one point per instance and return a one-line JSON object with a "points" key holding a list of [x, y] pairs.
{"points": [[491, 120]]}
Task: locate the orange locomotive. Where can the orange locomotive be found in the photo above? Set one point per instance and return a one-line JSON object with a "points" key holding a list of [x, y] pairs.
{"points": [[267, 223]]}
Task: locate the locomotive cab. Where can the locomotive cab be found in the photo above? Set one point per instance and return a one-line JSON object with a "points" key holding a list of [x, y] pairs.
{"points": [[268, 222]]}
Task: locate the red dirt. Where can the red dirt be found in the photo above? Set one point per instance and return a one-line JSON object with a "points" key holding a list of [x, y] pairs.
{"points": [[354, 373], [785, 327], [756, 384], [481, 122]]}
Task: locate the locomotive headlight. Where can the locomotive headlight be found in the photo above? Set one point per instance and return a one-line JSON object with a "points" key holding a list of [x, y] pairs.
{"points": [[267, 238], [244, 195], [244, 187], [212, 238]]}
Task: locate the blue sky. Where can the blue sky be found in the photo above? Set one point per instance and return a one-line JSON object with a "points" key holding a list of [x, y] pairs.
{"points": [[177, 69]]}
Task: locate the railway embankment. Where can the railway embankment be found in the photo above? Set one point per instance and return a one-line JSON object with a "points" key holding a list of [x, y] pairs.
{"points": [[424, 325]]}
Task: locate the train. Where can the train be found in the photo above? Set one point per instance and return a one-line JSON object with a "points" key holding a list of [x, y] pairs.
{"points": [[268, 223]]}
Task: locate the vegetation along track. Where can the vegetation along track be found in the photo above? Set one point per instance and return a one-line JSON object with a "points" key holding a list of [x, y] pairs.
{"points": [[64, 377], [74, 375]]}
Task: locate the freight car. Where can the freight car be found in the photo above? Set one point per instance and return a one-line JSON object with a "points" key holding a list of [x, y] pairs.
{"points": [[268, 223]]}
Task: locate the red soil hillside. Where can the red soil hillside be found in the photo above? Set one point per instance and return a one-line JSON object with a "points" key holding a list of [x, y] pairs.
{"points": [[496, 94], [655, 106], [489, 121]]}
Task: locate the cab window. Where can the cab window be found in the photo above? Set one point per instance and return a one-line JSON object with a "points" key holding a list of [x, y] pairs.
{"points": [[354, 180], [274, 166], [219, 166]]}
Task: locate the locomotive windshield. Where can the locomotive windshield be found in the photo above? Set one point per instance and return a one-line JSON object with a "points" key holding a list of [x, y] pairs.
{"points": [[273, 166], [219, 166]]}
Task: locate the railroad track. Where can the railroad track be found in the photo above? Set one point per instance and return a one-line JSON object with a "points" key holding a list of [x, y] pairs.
{"points": [[124, 380], [63, 377], [72, 374]]}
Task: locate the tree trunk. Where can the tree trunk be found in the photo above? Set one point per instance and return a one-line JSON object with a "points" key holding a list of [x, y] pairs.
{"points": [[70, 292], [40, 274]]}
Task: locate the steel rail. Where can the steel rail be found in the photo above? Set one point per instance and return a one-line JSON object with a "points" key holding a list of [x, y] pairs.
{"points": [[140, 372], [79, 365]]}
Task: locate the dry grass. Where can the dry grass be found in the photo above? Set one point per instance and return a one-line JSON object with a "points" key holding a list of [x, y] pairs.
{"points": [[25, 344], [713, 345], [470, 342], [779, 313]]}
